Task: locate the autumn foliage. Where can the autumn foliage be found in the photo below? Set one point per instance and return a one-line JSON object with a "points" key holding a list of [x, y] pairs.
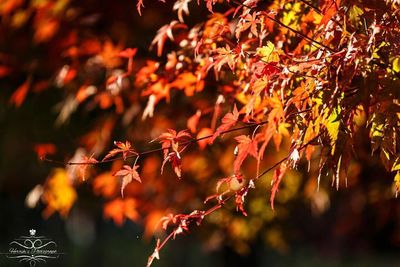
{"points": [[221, 105]]}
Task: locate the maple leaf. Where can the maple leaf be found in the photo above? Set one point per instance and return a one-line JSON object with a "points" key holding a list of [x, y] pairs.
{"points": [[139, 6], [120, 209], [170, 140], [209, 4], [265, 69], [85, 163], [128, 174], [397, 183], [44, 149], [18, 97], [249, 21], [149, 110], [166, 220], [182, 7], [59, 194], [239, 199], [225, 55], [128, 53], [333, 125], [105, 184], [189, 82], [276, 180], [193, 121], [228, 121], [175, 159], [204, 136], [268, 53], [164, 33], [246, 146], [124, 148]]}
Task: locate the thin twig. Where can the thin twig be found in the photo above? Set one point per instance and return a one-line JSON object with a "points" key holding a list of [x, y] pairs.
{"points": [[247, 187], [194, 140]]}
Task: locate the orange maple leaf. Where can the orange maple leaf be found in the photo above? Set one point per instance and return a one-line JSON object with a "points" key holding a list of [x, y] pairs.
{"points": [[128, 174], [119, 209], [204, 135], [171, 140], [246, 146], [164, 33], [124, 148], [276, 180], [228, 121], [193, 121]]}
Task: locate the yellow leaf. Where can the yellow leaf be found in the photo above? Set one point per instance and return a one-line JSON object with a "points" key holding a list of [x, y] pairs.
{"points": [[397, 182], [268, 53], [396, 64], [332, 126], [355, 13], [282, 128], [59, 194], [396, 165]]}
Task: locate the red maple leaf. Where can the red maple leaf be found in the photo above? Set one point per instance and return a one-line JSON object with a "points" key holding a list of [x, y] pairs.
{"points": [[172, 140], [124, 148], [276, 180], [246, 146], [239, 199], [228, 121], [262, 69], [128, 174], [175, 159]]}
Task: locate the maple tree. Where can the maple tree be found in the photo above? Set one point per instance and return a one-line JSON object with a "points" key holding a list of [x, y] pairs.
{"points": [[309, 77]]}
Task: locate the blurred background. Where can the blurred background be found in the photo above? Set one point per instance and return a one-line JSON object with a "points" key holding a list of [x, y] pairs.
{"points": [[355, 226]]}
